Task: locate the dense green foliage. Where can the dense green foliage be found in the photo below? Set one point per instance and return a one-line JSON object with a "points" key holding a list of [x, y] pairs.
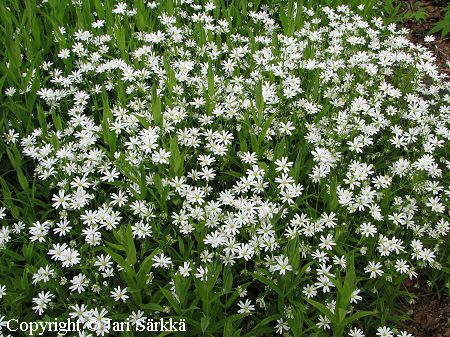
{"points": [[255, 168]]}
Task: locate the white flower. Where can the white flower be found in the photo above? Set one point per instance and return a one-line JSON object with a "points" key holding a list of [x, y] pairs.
{"points": [[64, 53], [245, 307], [185, 269], [283, 165], [136, 317], [401, 266], [161, 261], [41, 301], [384, 332], [367, 229], [356, 332], [309, 291], [374, 269], [327, 242], [119, 294], [324, 322], [98, 24], [281, 326], [121, 8], [10, 91], [282, 264], [79, 283], [202, 273]]}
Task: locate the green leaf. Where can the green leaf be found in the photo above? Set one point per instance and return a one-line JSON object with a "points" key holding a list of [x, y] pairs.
{"points": [[176, 160], [152, 306], [204, 323], [227, 279], [266, 281], [57, 122], [259, 102], [261, 324], [144, 268], [109, 136], [128, 272], [211, 88], [172, 300], [323, 309], [265, 127], [12, 254], [227, 323], [358, 315], [130, 246], [156, 110], [333, 199]]}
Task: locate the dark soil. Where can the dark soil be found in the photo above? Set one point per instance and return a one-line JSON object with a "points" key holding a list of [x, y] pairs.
{"points": [[418, 30], [430, 316]]}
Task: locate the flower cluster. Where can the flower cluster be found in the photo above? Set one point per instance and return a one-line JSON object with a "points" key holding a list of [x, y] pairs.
{"points": [[291, 161]]}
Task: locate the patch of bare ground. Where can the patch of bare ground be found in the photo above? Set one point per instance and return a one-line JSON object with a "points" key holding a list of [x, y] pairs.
{"points": [[418, 30], [430, 316]]}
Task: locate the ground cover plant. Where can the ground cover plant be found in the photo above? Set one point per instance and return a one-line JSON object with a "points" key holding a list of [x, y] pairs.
{"points": [[247, 169], [430, 28]]}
